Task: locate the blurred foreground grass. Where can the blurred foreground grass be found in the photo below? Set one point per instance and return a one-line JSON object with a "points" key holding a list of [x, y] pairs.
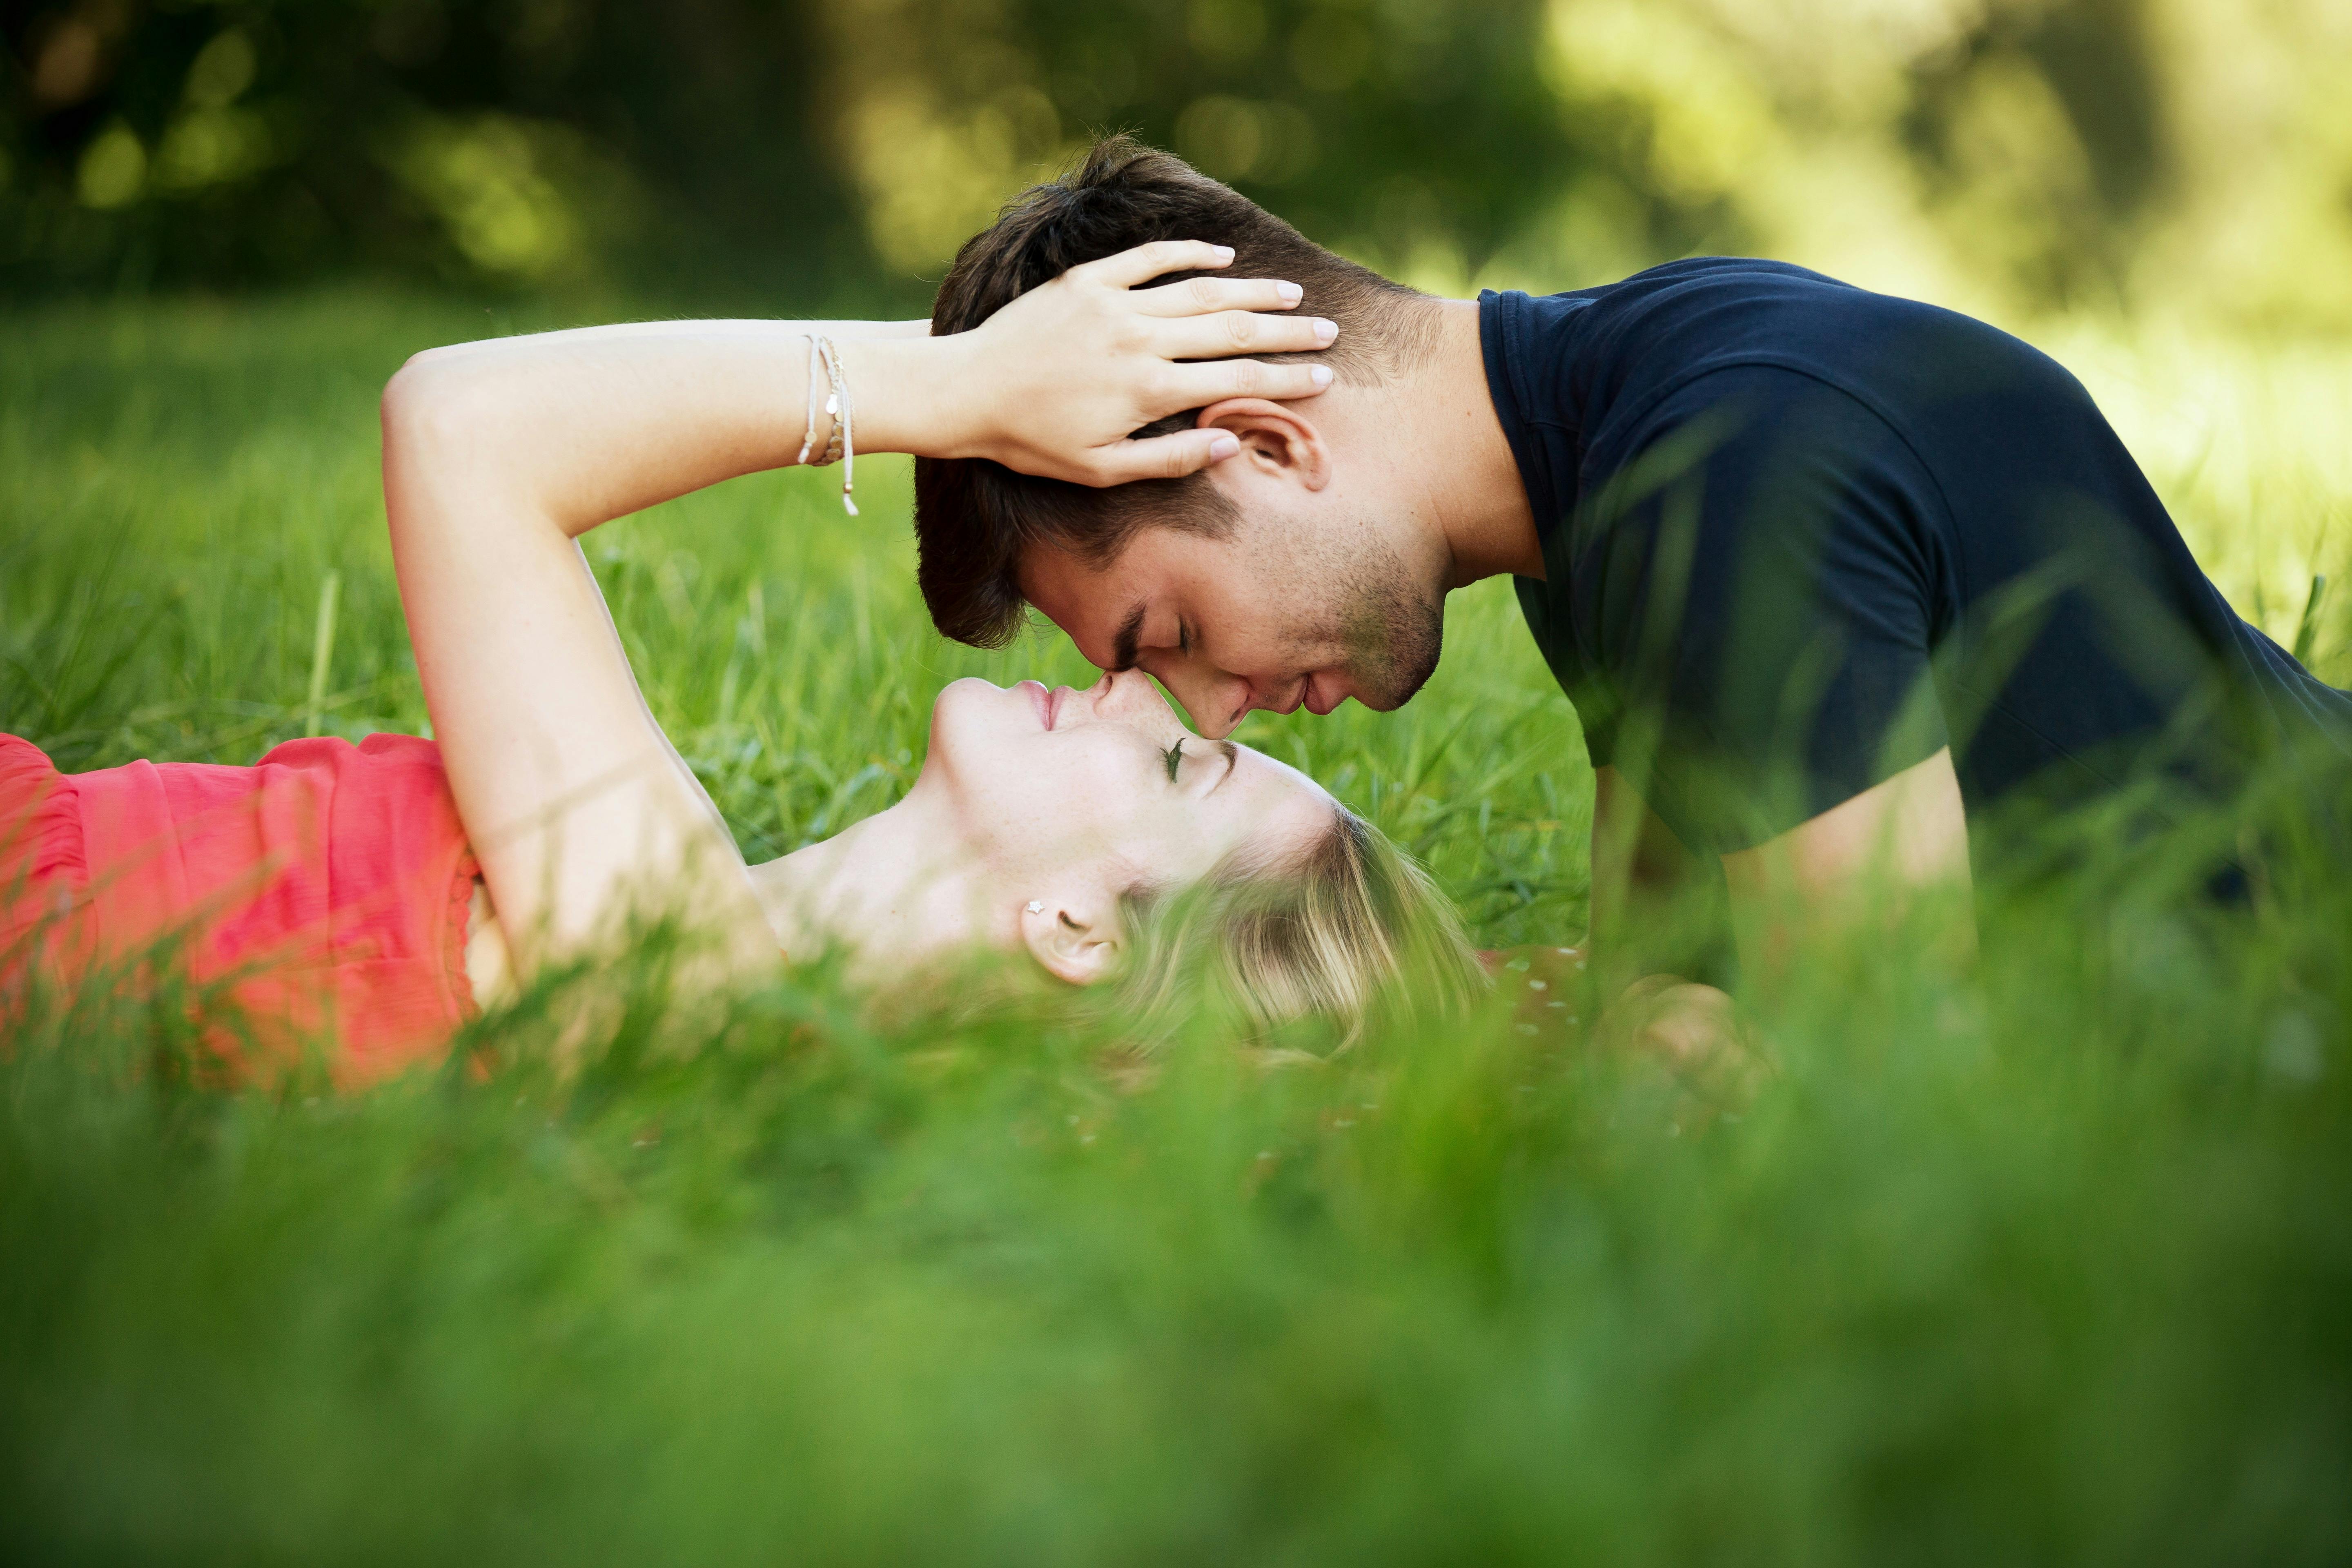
{"points": [[2052, 1268]]}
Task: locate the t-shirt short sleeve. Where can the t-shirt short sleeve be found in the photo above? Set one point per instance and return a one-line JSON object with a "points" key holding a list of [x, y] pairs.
{"points": [[1756, 587], [1592, 698]]}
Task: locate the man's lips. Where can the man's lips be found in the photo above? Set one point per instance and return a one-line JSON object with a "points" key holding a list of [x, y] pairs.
{"points": [[1308, 695]]}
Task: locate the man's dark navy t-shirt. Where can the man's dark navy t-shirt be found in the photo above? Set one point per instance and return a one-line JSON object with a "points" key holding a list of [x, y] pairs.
{"points": [[1799, 536]]}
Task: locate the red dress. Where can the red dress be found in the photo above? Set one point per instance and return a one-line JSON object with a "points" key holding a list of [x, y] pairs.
{"points": [[326, 886]]}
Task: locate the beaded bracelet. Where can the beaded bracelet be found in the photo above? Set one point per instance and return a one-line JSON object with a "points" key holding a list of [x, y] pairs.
{"points": [[845, 426]]}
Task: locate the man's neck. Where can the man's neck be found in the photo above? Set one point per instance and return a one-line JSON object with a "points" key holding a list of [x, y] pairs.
{"points": [[1447, 450]]}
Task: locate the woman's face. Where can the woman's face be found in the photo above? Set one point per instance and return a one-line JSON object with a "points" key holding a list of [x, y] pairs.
{"points": [[1106, 788]]}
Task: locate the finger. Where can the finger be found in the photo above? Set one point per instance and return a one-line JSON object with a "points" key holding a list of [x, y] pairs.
{"points": [[1242, 332], [1145, 262], [1161, 457], [1198, 385], [1198, 295]]}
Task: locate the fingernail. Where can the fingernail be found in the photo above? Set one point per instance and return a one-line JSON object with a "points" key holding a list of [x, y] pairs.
{"points": [[1320, 375], [1290, 292], [1223, 447], [1224, 252], [1326, 330]]}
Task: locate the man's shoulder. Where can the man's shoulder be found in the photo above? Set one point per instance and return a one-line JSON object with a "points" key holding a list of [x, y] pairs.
{"points": [[1597, 357], [1580, 359], [1580, 346], [1695, 277]]}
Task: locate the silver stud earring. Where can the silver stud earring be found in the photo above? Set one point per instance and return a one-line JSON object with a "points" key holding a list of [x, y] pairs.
{"points": [[1037, 906]]}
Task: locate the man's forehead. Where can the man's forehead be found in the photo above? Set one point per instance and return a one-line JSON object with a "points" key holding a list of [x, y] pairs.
{"points": [[1095, 605]]}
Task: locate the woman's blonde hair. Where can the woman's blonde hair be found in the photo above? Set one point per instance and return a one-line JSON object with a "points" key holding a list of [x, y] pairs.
{"points": [[1345, 931]]}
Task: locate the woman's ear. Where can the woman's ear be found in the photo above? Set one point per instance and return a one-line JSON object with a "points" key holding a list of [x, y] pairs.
{"points": [[1076, 938], [1276, 439]]}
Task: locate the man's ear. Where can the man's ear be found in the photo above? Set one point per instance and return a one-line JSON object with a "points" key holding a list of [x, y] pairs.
{"points": [[1077, 940], [1276, 438]]}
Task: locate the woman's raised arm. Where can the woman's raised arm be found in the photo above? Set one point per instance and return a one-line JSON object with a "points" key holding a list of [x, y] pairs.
{"points": [[498, 454], [603, 421]]}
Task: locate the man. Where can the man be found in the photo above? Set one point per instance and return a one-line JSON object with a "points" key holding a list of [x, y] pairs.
{"points": [[1828, 576]]}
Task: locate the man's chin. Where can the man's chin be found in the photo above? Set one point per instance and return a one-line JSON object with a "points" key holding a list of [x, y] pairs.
{"points": [[1326, 695], [1406, 658], [1385, 697]]}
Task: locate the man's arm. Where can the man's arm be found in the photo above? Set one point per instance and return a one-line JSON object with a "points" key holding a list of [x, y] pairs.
{"points": [[1863, 863], [1640, 870], [1648, 891]]}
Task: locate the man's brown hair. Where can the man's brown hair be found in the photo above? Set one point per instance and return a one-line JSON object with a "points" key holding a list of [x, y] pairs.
{"points": [[973, 517]]}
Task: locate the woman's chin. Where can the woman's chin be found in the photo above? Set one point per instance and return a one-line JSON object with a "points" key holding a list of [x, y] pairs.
{"points": [[977, 731], [965, 690]]}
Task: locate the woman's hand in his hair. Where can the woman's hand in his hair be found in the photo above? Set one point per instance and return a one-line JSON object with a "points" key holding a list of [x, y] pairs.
{"points": [[1060, 379]]}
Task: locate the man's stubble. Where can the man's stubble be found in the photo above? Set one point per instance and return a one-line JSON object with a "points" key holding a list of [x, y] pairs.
{"points": [[1389, 627]]}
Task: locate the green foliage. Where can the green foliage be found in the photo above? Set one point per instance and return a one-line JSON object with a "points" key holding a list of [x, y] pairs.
{"points": [[2001, 155], [543, 142], [2050, 1267]]}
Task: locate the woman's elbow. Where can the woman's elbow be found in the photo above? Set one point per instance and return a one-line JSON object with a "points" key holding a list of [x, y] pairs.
{"points": [[429, 402]]}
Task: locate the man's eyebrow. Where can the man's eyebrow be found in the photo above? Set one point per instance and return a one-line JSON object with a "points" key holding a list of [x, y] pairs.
{"points": [[1123, 642], [1233, 761]]}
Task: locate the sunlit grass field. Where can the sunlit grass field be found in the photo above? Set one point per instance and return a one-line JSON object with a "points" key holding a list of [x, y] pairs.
{"points": [[2052, 1266]]}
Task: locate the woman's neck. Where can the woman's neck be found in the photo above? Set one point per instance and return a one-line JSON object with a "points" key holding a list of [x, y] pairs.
{"points": [[886, 889]]}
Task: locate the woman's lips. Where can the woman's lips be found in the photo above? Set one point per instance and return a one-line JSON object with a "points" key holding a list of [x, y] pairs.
{"points": [[1041, 700]]}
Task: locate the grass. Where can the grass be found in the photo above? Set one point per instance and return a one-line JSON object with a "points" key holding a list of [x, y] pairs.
{"points": [[2050, 1267]]}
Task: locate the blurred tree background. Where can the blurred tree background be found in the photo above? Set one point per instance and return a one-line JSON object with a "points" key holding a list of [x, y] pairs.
{"points": [[2158, 192], [2016, 157]]}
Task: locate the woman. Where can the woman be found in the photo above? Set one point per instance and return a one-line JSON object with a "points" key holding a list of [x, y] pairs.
{"points": [[387, 889]]}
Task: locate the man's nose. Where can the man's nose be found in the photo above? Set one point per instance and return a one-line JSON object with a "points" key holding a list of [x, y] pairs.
{"points": [[1214, 701], [1125, 691]]}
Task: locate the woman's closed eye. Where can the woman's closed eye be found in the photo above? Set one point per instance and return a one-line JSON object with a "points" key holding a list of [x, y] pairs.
{"points": [[1172, 759]]}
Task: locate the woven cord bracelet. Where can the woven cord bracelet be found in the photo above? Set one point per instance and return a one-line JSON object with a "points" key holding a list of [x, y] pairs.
{"points": [[845, 421]]}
